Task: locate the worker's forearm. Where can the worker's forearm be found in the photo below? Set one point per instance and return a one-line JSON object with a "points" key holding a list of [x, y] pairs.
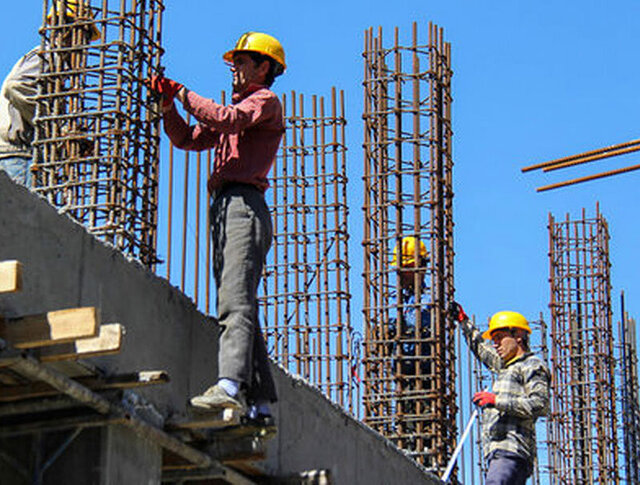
{"points": [[480, 348]]}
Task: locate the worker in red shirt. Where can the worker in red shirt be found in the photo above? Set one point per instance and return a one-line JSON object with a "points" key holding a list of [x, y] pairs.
{"points": [[245, 136]]}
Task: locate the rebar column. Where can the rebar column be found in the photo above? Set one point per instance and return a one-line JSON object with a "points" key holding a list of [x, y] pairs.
{"points": [[630, 397], [96, 127], [409, 378], [582, 427], [306, 297]]}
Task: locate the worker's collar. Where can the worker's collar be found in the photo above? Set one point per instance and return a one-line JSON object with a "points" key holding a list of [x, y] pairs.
{"points": [[250, 89], [517, 358]]}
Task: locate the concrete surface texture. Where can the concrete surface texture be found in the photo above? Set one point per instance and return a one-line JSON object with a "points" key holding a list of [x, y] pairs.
{"points": [[65, 267]]}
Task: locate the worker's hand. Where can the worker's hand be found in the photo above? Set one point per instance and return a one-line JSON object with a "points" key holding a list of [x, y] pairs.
{"points": [[484, 398], [164, 86], [456, 313]]}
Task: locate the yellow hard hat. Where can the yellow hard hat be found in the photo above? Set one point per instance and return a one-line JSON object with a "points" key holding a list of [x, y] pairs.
{"points": [[258, 42], [506, 319], [409, 251], [72, 13]]}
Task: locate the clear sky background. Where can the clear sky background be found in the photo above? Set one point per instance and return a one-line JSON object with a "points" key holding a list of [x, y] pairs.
{"points": [[532, 81]]}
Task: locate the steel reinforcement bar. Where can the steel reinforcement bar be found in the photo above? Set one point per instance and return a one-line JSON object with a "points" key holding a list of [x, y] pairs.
{"points": [[409, 377], [96, 126]]}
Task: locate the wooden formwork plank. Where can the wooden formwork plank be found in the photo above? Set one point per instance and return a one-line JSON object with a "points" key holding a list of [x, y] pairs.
{"points": [[51, 328], [10, 276], [95, 383], [107, 342], [225, 418]]}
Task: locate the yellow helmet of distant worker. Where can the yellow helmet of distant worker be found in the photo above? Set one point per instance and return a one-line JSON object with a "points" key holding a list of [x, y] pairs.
{"points": [[262, 43], [409, 251], [506, 319], [72, 13]]}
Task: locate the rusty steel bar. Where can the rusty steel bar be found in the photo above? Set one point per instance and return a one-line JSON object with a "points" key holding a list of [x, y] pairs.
{"points": [[169, 229], [305, 289], [96, 127], [199, 203], [304, 304], [600, 151], [582, 428], [588, 178], [630, 395], [408, 192], [185, 214], [592, 158]]}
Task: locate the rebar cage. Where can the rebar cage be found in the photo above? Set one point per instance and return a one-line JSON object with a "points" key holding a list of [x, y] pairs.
{"points": [[97, 128], [630, 397], [409, 348], [582, 427], [306, 286]]}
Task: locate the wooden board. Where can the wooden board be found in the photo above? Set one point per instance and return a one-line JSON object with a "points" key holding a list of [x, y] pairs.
{"points": [[50, 328], [223, 419], [123, 381], [107, 342], [10, 276]]}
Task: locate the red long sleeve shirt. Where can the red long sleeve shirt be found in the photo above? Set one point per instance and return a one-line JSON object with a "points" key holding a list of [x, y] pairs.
{"points": [[245, 134]]}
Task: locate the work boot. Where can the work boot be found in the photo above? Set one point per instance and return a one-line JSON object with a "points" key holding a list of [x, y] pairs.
{"points": [[216, 399]]}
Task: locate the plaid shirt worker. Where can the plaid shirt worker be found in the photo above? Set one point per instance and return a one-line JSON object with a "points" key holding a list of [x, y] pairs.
{"points": [[522, 395]]}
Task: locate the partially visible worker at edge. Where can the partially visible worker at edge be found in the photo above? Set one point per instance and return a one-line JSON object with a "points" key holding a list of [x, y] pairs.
{"points": [[520, 394], [246, 136], [17, 97]]}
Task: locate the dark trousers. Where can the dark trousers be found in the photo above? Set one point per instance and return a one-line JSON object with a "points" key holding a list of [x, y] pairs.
{"points": [[507, 468], [242, 233]]}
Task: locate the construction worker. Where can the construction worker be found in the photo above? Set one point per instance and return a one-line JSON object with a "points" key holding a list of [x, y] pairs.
{"points": [[408, 333], [17, 95], [520, 394], [246, 136], [411, 272]]}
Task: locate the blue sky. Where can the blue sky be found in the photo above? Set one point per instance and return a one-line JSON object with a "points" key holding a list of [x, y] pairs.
{"points": [[532, 81]]}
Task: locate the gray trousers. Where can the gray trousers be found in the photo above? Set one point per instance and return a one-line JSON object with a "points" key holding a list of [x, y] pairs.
{"points": [[242, 233]]}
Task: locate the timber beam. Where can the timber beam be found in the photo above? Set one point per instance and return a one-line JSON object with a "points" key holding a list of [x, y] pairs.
{"points": [[51, 328], [10, 276]]}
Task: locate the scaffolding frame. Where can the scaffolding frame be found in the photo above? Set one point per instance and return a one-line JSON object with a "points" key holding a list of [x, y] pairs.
{"points": [[409, 379], [306, 296], [583, 427], [96, 143]]}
